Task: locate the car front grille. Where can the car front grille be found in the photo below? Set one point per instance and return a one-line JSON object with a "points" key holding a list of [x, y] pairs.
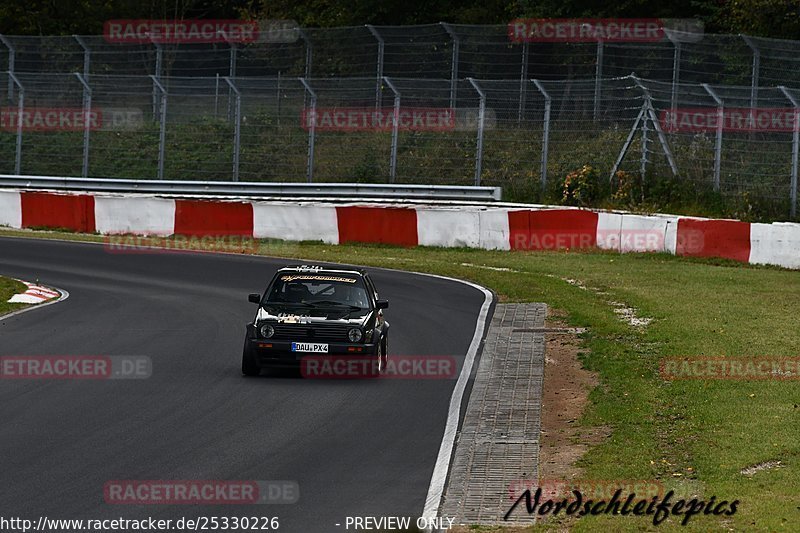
{"points": [[309, 332]]}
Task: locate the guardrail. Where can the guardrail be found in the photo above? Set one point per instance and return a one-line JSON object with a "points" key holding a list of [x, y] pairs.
{"points": [[343, 191]]}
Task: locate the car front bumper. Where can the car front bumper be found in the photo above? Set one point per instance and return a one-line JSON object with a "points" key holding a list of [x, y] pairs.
{"points": [[268, 353]]}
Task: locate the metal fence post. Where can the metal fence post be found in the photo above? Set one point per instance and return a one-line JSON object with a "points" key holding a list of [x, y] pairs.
{"points": [[795, 150], [379, 76], [479, 141], [755, 72], [87, 56], [649, 111], [20, 111], [676, 72], [395, 130], [598, 78], [545, 132], [643, 163], [312, 129], [157, 76], [237, 126], [523, 82], [453, 63], [162, 133], [309, 54], [87, 122], [718, 145], [12, 55]]}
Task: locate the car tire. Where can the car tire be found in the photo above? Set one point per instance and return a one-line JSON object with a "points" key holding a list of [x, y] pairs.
{"points": [[249, 366], [383, 355]]}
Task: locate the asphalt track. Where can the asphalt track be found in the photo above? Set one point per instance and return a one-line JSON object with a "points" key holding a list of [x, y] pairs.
{"points": [[355, 447]]}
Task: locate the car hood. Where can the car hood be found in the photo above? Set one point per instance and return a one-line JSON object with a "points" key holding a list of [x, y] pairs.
{"points": [[291, 314]]}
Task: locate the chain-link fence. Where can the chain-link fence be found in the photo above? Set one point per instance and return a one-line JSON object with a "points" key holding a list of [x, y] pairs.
{"points": [[437, 103], [437, 51], [524, 136]]}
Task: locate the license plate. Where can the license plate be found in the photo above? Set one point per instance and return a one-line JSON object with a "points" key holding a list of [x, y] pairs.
{"points": [[309, 347]]}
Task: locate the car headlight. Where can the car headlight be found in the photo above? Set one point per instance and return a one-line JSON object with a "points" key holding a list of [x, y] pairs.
{"points": [[266, 331], [355, 335]]}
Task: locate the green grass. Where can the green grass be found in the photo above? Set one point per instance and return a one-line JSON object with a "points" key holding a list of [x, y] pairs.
{"points": [[8, 288], [700, 432], [754, 182]]}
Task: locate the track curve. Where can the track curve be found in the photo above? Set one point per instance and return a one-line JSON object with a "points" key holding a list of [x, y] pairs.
{"points": [[355, 448]]}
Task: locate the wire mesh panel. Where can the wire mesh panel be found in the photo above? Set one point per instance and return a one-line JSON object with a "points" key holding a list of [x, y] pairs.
{"points": [[117, 59], [199, 143], [576, 138], [53, 124], [436, 134], [512, 135], [127, 143], [353, 130], [350, 51], [416, 51], [757, 143], [46, 53], [9, 101], [274, 143]]}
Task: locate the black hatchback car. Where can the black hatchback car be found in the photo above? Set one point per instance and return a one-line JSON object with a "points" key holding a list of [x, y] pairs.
{"points": [[315, 311]]}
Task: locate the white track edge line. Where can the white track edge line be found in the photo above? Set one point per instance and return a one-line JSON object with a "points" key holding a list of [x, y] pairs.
{"points": [[442, 467], [31, 307]]}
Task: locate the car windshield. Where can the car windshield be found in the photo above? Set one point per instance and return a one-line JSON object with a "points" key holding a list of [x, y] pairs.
{"points": [[319, 290]]}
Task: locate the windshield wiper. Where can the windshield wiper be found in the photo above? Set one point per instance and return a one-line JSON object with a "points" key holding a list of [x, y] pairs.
{"points": [[337, 304], [289, 303]]}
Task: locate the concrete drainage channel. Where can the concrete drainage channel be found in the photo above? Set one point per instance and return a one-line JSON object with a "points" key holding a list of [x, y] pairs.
{"points": [[498, 444]]}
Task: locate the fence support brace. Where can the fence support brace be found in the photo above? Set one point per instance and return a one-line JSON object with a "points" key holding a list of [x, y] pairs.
{"points": [[545, 133], [481, 120], [453, 63], [718, 144], [756, 70], [12, 55], [237, 126], [795, 150], [20, 109], [598, 78], [312, 129], [87, 122], [379, 75], [87, 56], [395, 129], [646, 113], [162, 128]]}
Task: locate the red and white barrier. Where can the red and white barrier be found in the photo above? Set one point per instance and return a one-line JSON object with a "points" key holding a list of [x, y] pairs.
{"points": [[142, 215], [35, 294], [491, 228], [10, 209], [295, 222]]}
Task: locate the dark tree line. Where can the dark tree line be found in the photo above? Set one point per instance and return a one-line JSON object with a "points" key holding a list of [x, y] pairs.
{"points": [[768, 18]]}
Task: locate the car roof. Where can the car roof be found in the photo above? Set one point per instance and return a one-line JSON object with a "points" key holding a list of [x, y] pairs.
{"points": [[317, 269]]}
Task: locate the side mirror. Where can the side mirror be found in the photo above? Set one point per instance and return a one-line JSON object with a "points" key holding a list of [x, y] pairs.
{"points": [[381, 304], [254, 298]]}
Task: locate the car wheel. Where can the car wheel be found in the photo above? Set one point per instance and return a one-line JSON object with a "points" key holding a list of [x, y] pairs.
{"points": [[383, 355], [249, 366]]}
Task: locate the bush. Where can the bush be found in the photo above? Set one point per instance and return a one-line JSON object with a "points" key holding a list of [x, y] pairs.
{"points": [[581, 187]]}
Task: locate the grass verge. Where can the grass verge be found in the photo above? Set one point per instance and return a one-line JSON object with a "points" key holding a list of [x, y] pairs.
{"points": [[8, 288], [702, 433]]}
